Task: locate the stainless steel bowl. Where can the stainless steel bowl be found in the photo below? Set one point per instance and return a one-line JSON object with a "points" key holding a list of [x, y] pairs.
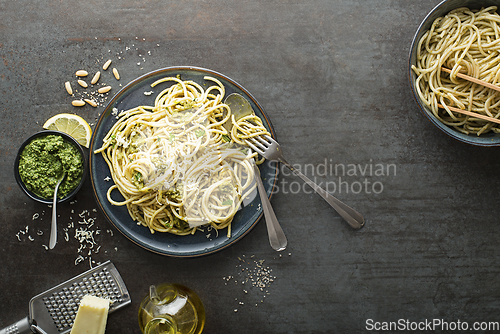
{"points": [[443, 8]]}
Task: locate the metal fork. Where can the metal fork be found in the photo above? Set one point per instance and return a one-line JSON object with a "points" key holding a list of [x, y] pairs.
{"points": [[277, 237], [271, 150]]}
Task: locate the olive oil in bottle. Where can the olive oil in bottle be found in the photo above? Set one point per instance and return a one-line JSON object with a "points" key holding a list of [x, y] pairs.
{"points": [[171, 309]]}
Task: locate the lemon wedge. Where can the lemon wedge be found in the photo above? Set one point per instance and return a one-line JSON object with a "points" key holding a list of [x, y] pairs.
{"points": [[71, 124]]}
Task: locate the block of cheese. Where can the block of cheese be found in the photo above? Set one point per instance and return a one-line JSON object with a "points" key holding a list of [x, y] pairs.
{"points": [[92, 316]]}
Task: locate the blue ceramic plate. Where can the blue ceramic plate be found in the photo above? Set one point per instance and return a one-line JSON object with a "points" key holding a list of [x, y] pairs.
{"points": [[201, 243]]}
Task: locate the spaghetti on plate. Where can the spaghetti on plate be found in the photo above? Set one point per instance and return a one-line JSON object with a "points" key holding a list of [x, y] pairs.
{"points": [[176, 165]]}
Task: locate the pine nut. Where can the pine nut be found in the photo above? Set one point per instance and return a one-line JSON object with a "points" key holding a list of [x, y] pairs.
{"points": [[91, 102], [95, 78], [116, 74], [78, 103], [81, 73], [67, 84], [106, 65], [83, 83], [103, 90]]}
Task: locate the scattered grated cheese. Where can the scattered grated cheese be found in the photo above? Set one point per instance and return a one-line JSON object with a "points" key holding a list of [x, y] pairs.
{"points": [[87, 235], [79, 259]]}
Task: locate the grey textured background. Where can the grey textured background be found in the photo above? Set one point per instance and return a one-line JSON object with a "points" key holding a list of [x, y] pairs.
{"points": [[332, 76]]}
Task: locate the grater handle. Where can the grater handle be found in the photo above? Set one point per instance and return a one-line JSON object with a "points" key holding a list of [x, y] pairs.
{"points": [[21, 327]]}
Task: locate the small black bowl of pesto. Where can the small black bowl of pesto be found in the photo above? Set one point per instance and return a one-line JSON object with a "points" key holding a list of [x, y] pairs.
{"points": [[41, 161]]}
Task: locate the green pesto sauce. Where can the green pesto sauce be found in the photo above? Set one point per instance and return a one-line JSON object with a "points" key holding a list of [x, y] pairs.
{"points": [[44, 160]]}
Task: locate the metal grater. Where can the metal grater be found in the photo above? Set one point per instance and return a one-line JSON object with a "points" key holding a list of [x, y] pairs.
{"points": [[54, 311]]}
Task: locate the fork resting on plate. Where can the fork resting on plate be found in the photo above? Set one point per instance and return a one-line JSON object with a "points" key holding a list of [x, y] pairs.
{"points": [[277, 237], [271, 150]]}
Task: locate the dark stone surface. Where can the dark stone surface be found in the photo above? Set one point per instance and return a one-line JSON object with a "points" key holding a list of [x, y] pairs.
{"points": [[332, 76]]}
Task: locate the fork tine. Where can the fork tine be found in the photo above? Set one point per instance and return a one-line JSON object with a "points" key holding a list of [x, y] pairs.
{"points": [[255, 148], [269, 138], [257, 142], [263, 141]]}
